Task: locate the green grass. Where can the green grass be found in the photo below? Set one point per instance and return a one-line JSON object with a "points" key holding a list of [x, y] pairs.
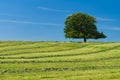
{"points": [[59, 61]]}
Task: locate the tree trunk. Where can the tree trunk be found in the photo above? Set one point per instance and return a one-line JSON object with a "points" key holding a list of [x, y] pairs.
{"points": [[85, 40]]}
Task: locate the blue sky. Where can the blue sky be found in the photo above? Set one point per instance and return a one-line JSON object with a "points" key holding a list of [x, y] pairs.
{"points": [[43, 20]]}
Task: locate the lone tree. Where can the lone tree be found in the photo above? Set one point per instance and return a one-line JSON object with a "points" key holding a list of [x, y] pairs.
{"points": [[80, 25]]}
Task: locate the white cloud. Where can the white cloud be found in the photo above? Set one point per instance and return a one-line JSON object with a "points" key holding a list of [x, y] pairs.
{"points": [[104, 19], [54, 10], [9, 15], [110, 27], [27, 22]]}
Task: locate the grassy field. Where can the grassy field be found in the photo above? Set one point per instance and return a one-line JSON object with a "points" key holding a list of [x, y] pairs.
{"points": [[59, 61]]}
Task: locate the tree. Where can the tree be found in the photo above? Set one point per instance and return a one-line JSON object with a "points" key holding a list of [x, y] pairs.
{"points": [[80, 25]]}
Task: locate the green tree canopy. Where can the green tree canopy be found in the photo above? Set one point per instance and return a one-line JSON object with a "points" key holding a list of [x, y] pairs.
{"points": [[80, 25]]}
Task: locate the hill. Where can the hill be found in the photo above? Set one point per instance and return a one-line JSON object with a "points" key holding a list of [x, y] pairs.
{"points": [[59, 61]]}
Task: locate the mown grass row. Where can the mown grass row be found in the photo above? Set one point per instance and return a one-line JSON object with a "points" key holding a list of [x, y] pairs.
{"points": [[57, 61], [50, 48], [58, 69], [39, 45], [26, 48], [103, 74], [64, 55], [29, 46], [14, 43]]}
